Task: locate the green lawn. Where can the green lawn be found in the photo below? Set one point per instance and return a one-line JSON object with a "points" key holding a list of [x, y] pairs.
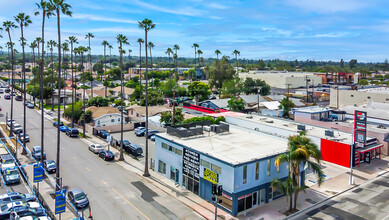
{"points": [[48, 107]]}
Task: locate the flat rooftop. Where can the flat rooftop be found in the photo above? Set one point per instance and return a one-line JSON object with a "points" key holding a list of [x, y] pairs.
{"points": [[311, 130], [379, 90], [312, 109], [235, 147]]}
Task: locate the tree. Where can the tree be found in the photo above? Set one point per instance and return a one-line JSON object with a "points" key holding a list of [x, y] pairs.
{"points": [[301, 150], [146, 25], [200, 90], [261, 64], [23, 21], [74, 112], [98, 101], [236, 53], [286, 105], [286, 188], [352, 63], [151, 46], [199, 53], [232, 87], [121, 39], [87, 117], [105, 44], [89, 36], [195, 46], [140, 41], [235, 104], [363, 82], [169, 52], [166, 117], [251, 86], [72, 40], [52, 44], [34, 45]]}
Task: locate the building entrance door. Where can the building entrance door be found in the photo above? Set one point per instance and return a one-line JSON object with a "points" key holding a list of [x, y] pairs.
{"points": [[262, 196], [255, 198]]}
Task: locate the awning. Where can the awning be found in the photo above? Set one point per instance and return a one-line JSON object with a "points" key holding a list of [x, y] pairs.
{"points": [[372, 147]]}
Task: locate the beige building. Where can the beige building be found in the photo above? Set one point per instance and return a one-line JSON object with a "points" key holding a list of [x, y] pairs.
{"points": [[282, 79], [341, 98]]}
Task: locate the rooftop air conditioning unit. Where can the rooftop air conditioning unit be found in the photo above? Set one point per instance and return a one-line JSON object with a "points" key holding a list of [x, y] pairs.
{"points": [[329, 133], [301, 127], [206, 128]]}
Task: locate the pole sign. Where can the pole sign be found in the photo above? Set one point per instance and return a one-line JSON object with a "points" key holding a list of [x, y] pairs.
{"points": [[191, 164], [360, 127], [60, 201], [38, 173], [211, 176]]}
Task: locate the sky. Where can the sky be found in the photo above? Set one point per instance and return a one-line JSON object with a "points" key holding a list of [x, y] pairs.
{"points": [[259, 29]]}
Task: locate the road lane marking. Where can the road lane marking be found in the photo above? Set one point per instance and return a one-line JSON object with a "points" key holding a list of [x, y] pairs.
{"points": [[105, 183], [130, 203], [74, 158], [88, 169]]}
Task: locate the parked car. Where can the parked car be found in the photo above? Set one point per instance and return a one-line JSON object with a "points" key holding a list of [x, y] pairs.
{"points": [[152, 138], [1, 91], [152, 133], [140, 132], [12, 93], [50, 166], [23, 211], [78, 198], [7, 90], [30, 105], [9, 121], [23, 136], [19, 98], [103, 134], [18, 130], [8, 97], [55, 124], [107, 155], [36, 153], [125, 143], [11, 176], [8, 207], [72, 132], [16, 196], [7, 161], [26, 103], [134, 149], [138, 128], [64, 128], [96, 148]]}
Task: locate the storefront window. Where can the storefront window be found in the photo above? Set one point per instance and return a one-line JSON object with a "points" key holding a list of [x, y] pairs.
{"points": [[164, 145], [216, 168], [257, 170], [162, 167], [178, 151], [205, 163], [268, 167], [226, 201], [241, 205]]}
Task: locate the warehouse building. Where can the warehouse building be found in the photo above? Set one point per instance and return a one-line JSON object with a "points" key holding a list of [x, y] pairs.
{"points": [[226, 155]]}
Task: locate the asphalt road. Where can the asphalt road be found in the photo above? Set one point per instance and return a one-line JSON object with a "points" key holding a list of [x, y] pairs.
{"points": [[114, 192], [369, 201]]}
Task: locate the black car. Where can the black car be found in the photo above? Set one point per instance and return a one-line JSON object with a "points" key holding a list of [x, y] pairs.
{"points": [[50, 166], [7, 97], [107, 155], [55, 124], [125, 143], [7, 90], [72, 132], [19, 98], [134, 149], [151, 133], [78, 198], [103, 134]]}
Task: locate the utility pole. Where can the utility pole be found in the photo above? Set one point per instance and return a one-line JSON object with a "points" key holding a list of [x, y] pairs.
{"points": [[288, 84], [306, 87], [337, 97], [313, 90], [258, 91]]}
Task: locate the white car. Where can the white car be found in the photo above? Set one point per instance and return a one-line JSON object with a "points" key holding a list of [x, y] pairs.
{"points": [[8, 207], [96, 148], [14, 216]]}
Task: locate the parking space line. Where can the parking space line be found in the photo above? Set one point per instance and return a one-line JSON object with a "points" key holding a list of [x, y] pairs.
{"points": [[88, 169], [74, 158], [130, 203]]}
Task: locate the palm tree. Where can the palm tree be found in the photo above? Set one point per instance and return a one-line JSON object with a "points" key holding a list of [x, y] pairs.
{"points": [[199, 52], [60, 6], [169, 52], [129, 54], [110, 55], [8, 26], [176, 48], [140, 41], [121, 39], [301, 150], [33, 45], [52, 44], [146, 25], [195, 46], [286, 188], [217, 52], [23, 21], [236, 53], [151, 45], [65, 48], [81, 50], [105, 44], [72, 40], [46, 9], [89, 36]]}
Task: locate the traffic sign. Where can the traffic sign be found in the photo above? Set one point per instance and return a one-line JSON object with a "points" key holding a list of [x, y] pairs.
{"points": [[38, 173], [60, 201]]}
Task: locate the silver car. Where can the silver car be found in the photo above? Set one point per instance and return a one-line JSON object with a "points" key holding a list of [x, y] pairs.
{"points": [[96, 148]]}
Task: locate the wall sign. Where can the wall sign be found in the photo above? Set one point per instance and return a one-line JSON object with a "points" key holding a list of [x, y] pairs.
{"points": [[360, 122], [211, 176], [191, 164]]}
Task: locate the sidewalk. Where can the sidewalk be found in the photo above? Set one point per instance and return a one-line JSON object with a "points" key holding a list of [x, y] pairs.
{"points": [[46, 187]]}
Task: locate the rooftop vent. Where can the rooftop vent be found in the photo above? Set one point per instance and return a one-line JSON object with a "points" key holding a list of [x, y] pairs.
{"points": [[329, 133], [301, 127]]}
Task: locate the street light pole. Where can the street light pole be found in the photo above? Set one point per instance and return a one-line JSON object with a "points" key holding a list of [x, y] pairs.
{"points": [[258, 91]]}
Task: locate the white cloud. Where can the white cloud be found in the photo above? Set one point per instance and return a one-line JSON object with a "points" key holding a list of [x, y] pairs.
{"points": [[216, 17], [188, 11], [278, 31], [329, 6], [217, 6], [101, 18]]}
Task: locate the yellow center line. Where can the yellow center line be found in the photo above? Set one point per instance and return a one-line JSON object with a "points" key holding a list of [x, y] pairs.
{"points": [[130, 203], [88, 169]]}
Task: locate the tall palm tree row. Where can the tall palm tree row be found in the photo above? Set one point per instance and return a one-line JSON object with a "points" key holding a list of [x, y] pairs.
{"points": [[146, 25], [301, 150], [33, 45], [199, 53], [65, 48], [121, 39], [151, 46], [47, 12], [52, 44], [81, 50], [89, 36], [140, 41], [8, 26], [60, 7], [105, 44], [23, 20], [72, 40]]}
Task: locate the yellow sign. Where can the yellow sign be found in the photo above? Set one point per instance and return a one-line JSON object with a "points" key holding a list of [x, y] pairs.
{"points": [[211, 176]]}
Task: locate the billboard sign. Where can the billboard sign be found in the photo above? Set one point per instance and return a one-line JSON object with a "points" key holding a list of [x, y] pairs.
{"points": [[191, 164], [360, 127], [38, 173], [60, 201], [211, 176]]}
